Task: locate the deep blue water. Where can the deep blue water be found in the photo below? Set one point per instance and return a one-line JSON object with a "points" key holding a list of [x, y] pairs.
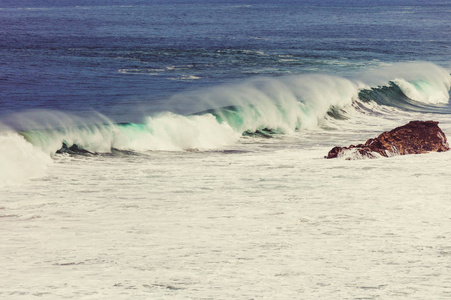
{"points": [[126, 58]]}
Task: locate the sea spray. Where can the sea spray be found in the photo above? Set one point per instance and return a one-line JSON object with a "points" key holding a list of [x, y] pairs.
{"points": [[280, 105], [283, 103], [172, 132], [260, 105], [423, 82], [19, 160]]}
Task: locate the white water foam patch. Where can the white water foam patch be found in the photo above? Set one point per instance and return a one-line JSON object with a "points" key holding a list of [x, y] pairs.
{"points": [[420, 81], [19, 160], [283, 104], [354, 154], [172, 132]]}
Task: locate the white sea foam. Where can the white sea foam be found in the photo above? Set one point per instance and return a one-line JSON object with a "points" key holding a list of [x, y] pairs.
{"points": [[171, 132], [279, 222], [19, 160], [185, 77]]}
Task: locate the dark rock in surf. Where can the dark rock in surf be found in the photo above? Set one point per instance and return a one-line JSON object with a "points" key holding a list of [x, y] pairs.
{"points": [[74, 149], [413, 138]]}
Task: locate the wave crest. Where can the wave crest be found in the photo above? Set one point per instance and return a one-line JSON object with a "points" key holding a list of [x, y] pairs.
{"points": [[423, 82], [260, 107]]}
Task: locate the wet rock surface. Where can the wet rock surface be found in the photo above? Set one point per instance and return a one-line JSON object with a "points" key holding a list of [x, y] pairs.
{"points": [[413, 138]]}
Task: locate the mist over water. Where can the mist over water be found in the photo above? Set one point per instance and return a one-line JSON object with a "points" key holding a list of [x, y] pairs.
{"points": [[172, 150]]}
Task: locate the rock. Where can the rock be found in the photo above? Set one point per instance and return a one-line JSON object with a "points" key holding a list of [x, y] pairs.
{"points": [[74, 149], [413, 138]]}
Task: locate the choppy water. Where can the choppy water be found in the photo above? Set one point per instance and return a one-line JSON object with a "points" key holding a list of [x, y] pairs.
{"points": [[200, 131]]}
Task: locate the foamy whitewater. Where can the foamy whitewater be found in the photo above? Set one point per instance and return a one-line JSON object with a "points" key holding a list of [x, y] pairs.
{"points": [[165, 166]]}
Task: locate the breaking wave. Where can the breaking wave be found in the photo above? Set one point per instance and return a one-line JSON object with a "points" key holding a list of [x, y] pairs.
{"points": [[260, 106], [422, 82], [422, 87], [221, 115], [19, 160]]}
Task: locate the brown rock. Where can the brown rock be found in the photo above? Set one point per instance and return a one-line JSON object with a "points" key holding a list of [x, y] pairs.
{"points": [[413, 138]]}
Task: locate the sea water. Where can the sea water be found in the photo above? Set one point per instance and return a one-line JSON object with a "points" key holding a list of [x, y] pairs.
{"points": [[174, 150]]}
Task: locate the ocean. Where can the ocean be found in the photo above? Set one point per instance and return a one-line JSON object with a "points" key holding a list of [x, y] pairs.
{"points": [[175, 149]]}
